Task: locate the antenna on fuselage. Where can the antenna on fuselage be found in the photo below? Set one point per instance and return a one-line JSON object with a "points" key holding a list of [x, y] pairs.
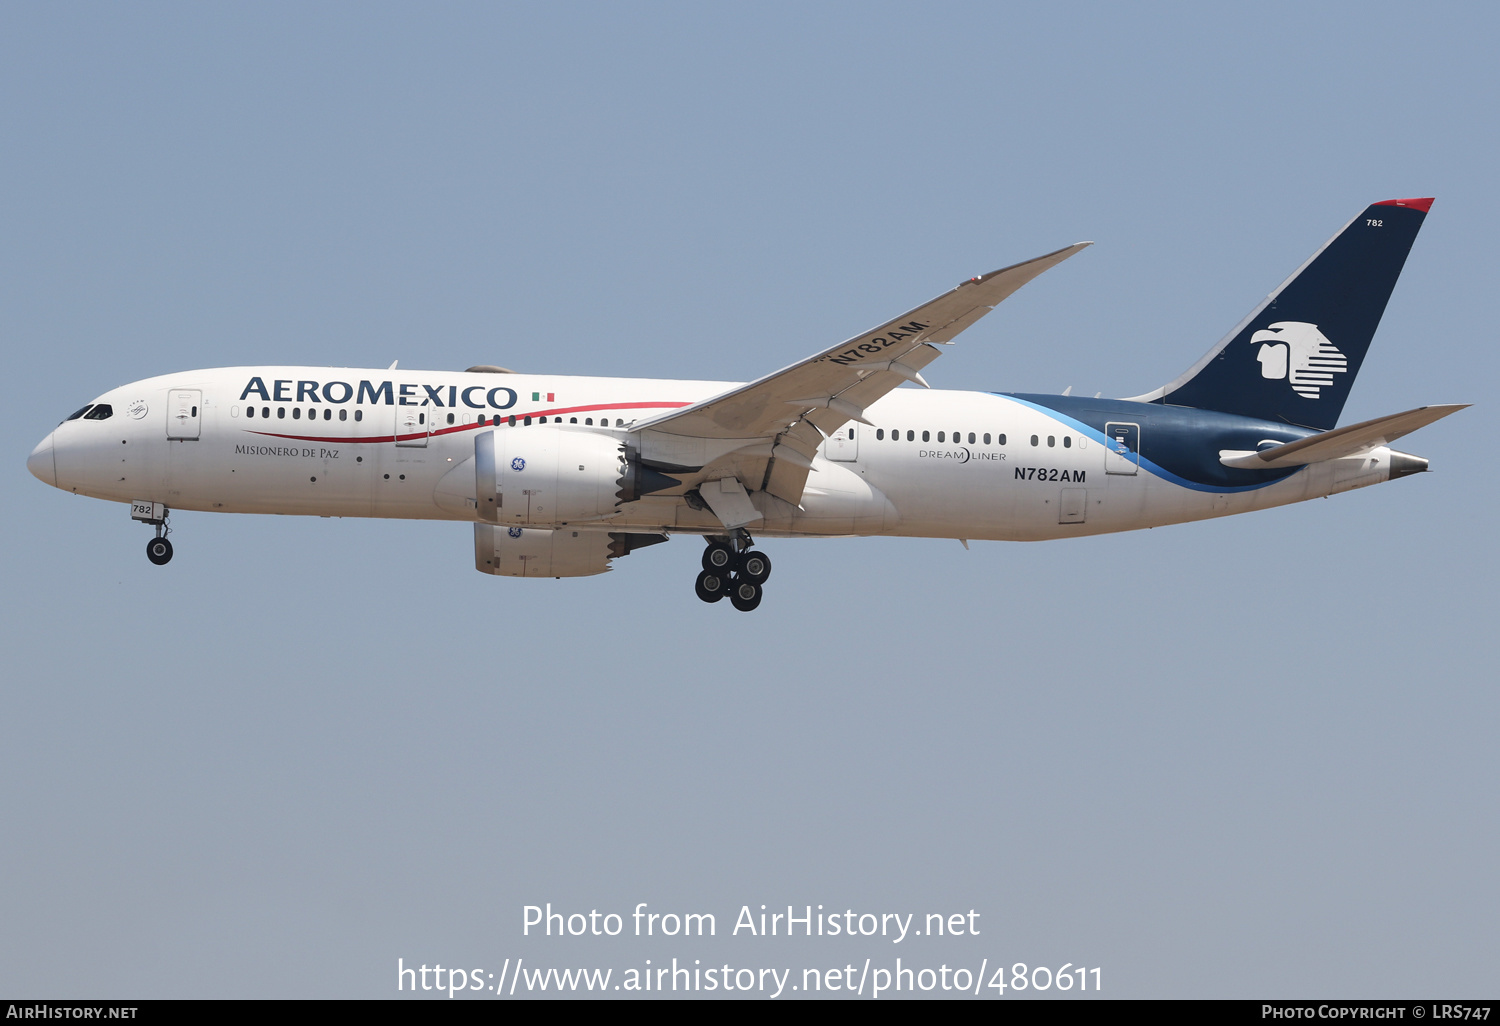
{"points": [[393, 365]]}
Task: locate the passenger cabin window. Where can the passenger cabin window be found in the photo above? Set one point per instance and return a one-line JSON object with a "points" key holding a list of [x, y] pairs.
{"points": [[926, 436], [971, 438], [1000, 439], [940, 436], [1034, 440], [296, 413], [1051, 441], [359, 415], [281, 413], [103, 411], [986, 438], [911, 436], [1067, 441], [880, 434], [249, 411], [572, 420], [589, 421], [80, 413], [343, 415]]}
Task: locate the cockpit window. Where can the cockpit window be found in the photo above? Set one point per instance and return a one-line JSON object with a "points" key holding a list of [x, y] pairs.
{"points": [[80, 413], [103, 411]]}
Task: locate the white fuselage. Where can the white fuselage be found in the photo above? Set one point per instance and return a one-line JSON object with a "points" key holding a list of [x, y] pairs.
{"points": [[378, 443]]}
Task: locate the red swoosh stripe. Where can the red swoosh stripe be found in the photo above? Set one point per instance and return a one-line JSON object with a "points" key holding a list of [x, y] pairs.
{"points": [[557, 412]]}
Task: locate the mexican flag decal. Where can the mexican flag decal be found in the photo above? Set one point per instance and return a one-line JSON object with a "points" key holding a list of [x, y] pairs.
{"points": [[536, 397]]}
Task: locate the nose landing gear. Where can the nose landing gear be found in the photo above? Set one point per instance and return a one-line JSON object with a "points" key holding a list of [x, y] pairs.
{"points": [[731, 567], [158, 549]]}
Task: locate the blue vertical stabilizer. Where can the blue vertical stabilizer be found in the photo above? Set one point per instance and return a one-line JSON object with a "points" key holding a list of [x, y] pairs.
{"points": [[1295, 357]]}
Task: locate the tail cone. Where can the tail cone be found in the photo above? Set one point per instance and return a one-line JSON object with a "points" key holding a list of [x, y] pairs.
{"points": [[1403, 464]]}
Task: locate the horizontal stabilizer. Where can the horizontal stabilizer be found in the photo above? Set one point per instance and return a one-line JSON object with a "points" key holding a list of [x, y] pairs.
{"points": [[1341, 442]]}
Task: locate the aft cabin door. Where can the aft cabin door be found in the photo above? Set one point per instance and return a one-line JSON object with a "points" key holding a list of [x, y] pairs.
{"points": [[843, 444], [412, 426], [184, 413], [1122, 448]]}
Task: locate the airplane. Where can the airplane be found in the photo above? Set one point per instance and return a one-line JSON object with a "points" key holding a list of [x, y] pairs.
{"points": [[562, 475]]}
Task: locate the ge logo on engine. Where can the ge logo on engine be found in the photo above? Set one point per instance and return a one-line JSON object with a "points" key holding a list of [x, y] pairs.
{"points": [[514, 532], [518, 464]]}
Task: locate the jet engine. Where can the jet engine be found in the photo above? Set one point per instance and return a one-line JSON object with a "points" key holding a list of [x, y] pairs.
{"points": [[546, 475], [537, 552]]}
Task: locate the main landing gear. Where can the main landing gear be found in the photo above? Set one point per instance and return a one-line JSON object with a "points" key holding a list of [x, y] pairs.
{"points": [[732, 568]]}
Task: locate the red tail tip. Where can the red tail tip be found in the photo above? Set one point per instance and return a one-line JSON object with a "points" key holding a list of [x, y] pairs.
{"points": [[1424, 205]]}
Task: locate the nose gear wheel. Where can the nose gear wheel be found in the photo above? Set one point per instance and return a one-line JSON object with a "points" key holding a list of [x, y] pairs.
{"points": [[159, 551]]}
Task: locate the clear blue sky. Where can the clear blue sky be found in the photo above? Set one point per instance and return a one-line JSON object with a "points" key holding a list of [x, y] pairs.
{"points": [[1239, 758]]}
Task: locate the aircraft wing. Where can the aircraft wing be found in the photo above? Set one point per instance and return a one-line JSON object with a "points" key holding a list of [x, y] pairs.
{"points": [[766, 433], [1341, 442]]}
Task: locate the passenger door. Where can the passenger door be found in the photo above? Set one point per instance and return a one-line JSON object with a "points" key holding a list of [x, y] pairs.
{"points": [[843, 444], [1122, 448], [413, 424], [184, 413]]}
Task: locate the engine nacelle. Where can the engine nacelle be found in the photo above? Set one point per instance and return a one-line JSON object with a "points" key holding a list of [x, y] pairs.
{"points": [[537, 552], [545, 475]]}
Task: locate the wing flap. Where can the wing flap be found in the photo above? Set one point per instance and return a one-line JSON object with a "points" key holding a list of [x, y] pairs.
{"points": [[730, 502]]}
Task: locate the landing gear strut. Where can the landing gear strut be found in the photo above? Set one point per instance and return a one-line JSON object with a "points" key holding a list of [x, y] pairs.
{"points": [[731, 567]]}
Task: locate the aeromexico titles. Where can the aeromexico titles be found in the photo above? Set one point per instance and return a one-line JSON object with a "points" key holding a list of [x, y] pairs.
{"points": [[560, 476]]}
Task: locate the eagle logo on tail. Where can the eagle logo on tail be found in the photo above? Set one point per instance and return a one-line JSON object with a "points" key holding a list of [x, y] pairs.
{"points": [[1300, 354]]}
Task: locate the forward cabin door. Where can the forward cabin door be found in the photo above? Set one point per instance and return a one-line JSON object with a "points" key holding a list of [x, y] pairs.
{"points": [[184, 413], [1122, 448], [843, 444], [413, 424]]}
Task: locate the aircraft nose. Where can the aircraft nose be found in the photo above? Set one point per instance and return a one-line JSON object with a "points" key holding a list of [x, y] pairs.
{"points": [[41, 463]]}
